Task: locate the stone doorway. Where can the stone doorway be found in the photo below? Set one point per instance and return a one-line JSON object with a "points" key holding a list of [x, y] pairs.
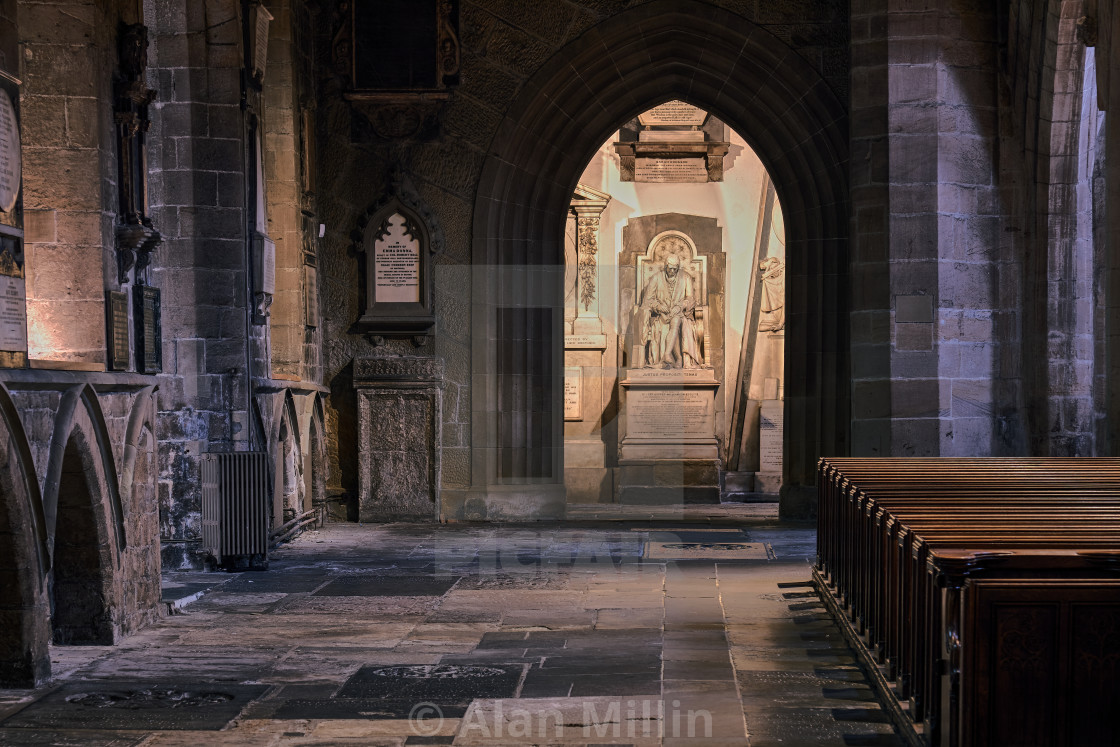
{"points": [[661, 407], [657, 52]]}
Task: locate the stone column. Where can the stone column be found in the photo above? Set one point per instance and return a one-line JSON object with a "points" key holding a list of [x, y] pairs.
{"points": [[591, 365], [588, 212]]}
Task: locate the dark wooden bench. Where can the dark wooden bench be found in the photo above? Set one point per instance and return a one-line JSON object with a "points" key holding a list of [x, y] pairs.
{"points": [[936, 564]]}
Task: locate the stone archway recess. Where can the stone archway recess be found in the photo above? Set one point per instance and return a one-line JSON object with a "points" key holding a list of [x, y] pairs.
{"points": [[719, 61]]}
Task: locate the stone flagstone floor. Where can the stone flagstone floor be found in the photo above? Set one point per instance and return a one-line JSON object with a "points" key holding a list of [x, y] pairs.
{"points": [[702, 631]]}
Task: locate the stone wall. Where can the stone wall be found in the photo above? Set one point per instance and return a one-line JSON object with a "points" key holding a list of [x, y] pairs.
{"points": [[90, 499], [70, 192], [504, 44], [975, 268]]}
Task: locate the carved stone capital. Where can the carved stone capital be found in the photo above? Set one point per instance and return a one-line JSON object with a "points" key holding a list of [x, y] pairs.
{"points": [[410, 368]]}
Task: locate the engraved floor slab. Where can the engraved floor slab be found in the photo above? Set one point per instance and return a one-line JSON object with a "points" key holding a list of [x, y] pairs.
{"points": [[388, 586], [435, 684], [146, 706], [708, 549]]}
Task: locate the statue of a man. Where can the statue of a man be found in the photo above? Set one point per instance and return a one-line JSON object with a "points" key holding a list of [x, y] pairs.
{"points": [[668, 316], [773, 295]]}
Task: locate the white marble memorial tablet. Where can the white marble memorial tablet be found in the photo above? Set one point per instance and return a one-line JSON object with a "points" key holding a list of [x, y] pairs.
{"points": [[396, 257], [13, 314], [674, 113], [771, 427], [573, 389], [10, 158], [670, 170]]}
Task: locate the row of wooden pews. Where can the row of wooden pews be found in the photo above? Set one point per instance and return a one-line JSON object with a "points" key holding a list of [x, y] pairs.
{"points": [[984, 593]]}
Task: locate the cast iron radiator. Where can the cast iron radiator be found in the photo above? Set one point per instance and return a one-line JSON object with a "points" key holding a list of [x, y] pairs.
{"points": [[235, 508]]}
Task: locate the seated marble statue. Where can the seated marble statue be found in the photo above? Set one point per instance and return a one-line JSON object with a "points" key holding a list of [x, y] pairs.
{"points": [[667, 313]]}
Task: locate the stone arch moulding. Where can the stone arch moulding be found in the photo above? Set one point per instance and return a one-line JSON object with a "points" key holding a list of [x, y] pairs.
{"points": [[650, 54], [25, 656], [33, 499], [411, 317], [284, 417], [80, 411], [314, 433], [143, 414]]}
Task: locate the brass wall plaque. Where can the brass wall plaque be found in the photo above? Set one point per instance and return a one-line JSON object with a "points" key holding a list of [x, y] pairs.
{"points": [[117, 310], [149, 343]]}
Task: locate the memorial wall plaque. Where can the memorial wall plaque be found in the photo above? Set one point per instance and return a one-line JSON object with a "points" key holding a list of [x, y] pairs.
{"points": [[311, 280], [771, 428], [673, 113], [117, 308], [573, 389], [149, 341], [396, 257], [13, 314], [670, 170], [10, 158], [398, 251]]}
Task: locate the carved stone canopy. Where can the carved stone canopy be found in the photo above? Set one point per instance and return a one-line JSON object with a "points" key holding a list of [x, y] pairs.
{"points": [[397, 246]]}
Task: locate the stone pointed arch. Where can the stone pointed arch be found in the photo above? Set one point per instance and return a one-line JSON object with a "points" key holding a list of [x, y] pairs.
{"points": [[641, 57], [286, 446], [142, 417], [85, 523], [24, 558], [79, 413], [315, 456]]}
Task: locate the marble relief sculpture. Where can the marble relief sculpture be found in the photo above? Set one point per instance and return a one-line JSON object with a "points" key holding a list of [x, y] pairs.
{"points": [[667, 314], [773, 280]]}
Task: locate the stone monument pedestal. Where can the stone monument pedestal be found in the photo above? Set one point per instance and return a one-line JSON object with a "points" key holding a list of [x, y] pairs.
{"points": [[669, 454], [400, 421]]}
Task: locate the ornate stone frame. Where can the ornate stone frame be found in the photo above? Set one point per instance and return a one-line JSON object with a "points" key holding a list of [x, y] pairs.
{"points": [[382, 319], [401, 113], [697, 268]]}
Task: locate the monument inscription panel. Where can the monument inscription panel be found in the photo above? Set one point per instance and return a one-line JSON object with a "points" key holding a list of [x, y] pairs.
{"points": [[670, 170], [396, 257], [118, 330], [573, 389], [13, 317], [10, 162], [771, 427], [673, 113], [670, 414]]}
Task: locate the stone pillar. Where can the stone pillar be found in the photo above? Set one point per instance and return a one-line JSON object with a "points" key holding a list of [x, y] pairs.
{"points": [[591, 363], [588, 212], [399, 436]]}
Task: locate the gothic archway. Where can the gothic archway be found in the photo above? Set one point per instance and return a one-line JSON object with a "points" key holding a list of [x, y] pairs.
{"points": [[663, 50], [24, 559]]}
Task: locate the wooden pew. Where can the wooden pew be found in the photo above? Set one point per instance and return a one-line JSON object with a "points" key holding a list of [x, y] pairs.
{"points": [[919, 555]]}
